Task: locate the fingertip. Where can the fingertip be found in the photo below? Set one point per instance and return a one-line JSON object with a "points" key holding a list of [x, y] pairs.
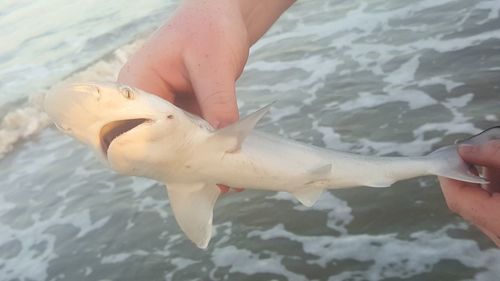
{"points": [[219, 116], [471, 154], [224, 121], [215, 91], [485, 154]]}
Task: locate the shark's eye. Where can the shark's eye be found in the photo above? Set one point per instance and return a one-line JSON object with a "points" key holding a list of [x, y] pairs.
{"points": [[127, 92]]}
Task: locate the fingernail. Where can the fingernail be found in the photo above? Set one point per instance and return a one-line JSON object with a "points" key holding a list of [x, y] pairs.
{"points": [[467, 148], [223, 188], [221, 125], [215, 124], [212, 121]]}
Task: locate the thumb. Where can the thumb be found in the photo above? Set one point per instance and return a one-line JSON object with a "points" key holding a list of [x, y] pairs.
{"points": [[487, 154], [218, 104], [214, 86], [217, 100]]}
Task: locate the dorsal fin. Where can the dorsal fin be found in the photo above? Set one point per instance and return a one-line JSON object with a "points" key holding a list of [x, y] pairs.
{"points": [[231, 137]]}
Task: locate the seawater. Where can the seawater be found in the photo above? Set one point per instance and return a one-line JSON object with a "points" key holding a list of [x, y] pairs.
{"points": [[373, 77]]}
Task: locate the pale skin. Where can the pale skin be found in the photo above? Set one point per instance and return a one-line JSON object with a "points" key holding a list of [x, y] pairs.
{"points": [[195, 58]]}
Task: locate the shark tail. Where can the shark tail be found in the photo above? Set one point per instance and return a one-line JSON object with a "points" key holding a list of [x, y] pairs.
{"points": [[446, 162]]}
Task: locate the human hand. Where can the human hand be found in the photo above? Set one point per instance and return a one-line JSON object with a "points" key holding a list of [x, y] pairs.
{"points": [[479, 206], [194, 59]]}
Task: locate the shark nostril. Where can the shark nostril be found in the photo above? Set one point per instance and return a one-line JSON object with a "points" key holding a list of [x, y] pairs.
{"points": [[88, 89], [97, 93], [62, 128]]}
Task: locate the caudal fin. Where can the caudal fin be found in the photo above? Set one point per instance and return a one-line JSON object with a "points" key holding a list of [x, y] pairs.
{"points": [[447, 163]]}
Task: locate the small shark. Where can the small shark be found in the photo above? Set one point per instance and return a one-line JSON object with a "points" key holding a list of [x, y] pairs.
{"points": [[140, 134]]}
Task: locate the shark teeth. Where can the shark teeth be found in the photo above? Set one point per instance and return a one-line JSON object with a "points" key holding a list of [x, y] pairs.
{"points": [[114, 129]]}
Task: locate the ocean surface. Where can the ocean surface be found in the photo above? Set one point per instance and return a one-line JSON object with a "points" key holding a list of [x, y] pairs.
{"points": [[378, 77]]}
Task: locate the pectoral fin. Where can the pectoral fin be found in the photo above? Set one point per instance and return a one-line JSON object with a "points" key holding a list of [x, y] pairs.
{"points": [[193, 206], [231, 137]]}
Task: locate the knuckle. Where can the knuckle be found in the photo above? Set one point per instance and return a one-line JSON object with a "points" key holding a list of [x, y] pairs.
{"points": [[218, 95], [217, 98]]}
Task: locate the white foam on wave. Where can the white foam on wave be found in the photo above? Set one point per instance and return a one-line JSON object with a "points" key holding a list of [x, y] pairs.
{"points": [[30, 263], [247, 262], [339, 212], [348, 33], [315, 68], [420, 143], [277, 114], [491, 117], [494, 9], [357, 41], [417, 146], [20, 124], [121, 257], [24, 122], [414, 98], [460, 123], [391, 256]]}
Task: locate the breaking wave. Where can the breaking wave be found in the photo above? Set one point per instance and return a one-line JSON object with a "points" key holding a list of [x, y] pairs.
{"points": [[23, 121]]}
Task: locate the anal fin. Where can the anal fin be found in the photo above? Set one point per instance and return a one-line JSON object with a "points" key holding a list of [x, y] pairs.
{"points": [[308, 196], [193, 204]]}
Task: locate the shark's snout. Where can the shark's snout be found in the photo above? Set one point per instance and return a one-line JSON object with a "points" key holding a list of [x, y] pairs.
{"points": [[59, 101], [97, 114], [77, 110]]}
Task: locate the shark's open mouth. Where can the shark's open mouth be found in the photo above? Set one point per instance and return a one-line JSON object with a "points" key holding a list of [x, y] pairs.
{"points": [[114, 129]]}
